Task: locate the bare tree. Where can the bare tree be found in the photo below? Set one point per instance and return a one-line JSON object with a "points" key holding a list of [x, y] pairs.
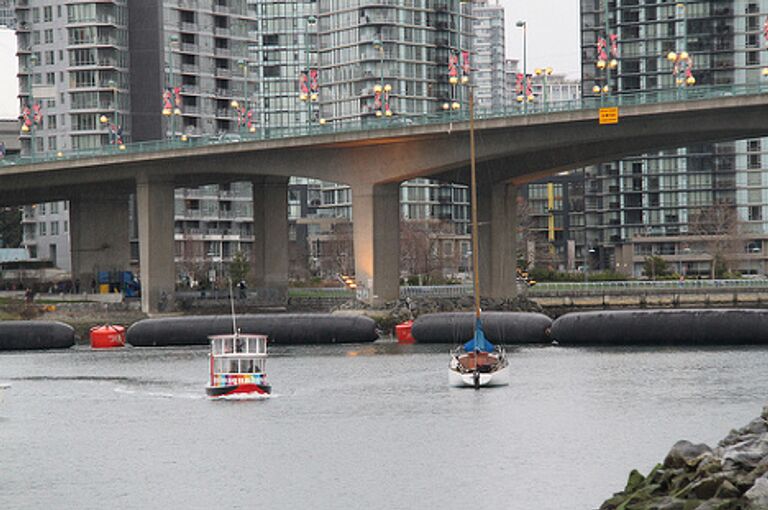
{"points": [[424, 248], [721, 231], [194, 262], [544, 253], [334, 250]]}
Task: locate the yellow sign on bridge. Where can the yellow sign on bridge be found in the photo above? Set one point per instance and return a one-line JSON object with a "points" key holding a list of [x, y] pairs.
{"points": [[609, 115]]}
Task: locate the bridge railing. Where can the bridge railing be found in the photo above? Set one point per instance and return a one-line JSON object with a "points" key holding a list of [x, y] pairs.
{"points": [[564, 288], [452, 291], [397, 122]]}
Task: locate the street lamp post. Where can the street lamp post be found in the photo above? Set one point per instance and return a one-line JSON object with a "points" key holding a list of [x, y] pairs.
{"points": [[682, 62], [114, 127], [308, 80], [544, 73], [587, 261], [754, 250], [524, 97], [382, 90], [244, 112], [607, 55], [172, 97], [31, 113]]}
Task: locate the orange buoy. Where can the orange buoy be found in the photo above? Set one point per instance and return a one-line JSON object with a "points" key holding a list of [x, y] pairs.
{"points": [[107, 336], [403, 333]]}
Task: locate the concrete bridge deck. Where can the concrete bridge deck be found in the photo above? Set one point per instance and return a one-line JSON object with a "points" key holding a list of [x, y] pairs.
{"points": [[511, 149]]}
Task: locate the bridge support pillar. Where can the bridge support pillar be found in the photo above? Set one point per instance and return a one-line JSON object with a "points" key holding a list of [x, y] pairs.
{"points": [[376, 237], [99, 236], [155, 208], [497, 215], [269, 260]]}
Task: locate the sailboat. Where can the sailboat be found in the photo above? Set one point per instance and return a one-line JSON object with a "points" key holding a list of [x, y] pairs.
{"points": [[478, 362]]}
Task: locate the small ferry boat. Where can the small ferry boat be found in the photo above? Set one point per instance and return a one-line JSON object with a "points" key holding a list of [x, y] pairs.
{"points": [[238, 363], [238, 367]]}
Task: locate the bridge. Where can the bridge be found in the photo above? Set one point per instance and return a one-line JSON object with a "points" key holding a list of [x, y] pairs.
{"points": [[513, 147]]}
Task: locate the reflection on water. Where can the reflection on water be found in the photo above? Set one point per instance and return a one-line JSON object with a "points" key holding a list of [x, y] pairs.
{"points": [[358, 426]]}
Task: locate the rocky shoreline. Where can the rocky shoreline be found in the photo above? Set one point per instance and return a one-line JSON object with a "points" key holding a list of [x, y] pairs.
{"points": [[732, 476]]}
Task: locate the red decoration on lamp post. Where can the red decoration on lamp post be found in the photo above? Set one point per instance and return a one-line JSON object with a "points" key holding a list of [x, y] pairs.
{"points": [[31, 117]]}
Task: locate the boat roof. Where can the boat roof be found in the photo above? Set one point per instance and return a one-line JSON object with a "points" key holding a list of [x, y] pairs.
{"points": [[237, 335]]}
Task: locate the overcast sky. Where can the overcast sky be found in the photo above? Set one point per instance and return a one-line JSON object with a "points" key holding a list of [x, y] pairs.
{"points": [[9, 108], [553, 40], [553, 33]]}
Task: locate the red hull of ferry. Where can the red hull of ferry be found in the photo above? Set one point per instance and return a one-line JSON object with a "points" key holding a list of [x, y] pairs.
{"points": [[239, 390]]}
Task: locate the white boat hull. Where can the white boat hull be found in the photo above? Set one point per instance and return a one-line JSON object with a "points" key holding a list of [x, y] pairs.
{"points": [[467, 379]]}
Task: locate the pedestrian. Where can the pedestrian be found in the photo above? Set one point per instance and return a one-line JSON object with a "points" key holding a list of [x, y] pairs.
{"points": [[77, 286]]}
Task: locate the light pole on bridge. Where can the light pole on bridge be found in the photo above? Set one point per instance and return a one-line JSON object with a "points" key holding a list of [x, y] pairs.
{"points": [[525, 94], [31, 114], [172, 95], [244, 111], [114, 126], [382, 90]]}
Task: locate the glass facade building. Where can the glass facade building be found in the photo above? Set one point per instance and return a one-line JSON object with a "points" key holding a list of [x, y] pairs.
{"points": [[654, 203]]}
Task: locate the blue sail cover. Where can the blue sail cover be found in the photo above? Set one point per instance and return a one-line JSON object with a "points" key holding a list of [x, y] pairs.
{"points": [[479, 342]]}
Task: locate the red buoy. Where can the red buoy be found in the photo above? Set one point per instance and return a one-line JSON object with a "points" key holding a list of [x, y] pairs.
{"points": [[403, 333], [107, 336]]}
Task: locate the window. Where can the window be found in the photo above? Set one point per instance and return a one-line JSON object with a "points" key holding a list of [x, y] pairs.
{"points": [[755, 213], [48, 13], [41, 228], [54, 228]]}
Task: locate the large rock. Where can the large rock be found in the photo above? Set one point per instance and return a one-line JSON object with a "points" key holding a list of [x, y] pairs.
{"points": [[684, 453], [757, 497]]}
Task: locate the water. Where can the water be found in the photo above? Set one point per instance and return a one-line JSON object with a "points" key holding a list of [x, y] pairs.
{"points": [[358, 427]]}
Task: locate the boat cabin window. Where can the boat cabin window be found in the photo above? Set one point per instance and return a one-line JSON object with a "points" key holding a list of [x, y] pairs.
{"points": [[247, 345], [238, 366], [257, 345]]}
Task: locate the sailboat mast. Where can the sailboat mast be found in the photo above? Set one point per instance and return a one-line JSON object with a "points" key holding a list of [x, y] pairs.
{"points": [[473, 198]]}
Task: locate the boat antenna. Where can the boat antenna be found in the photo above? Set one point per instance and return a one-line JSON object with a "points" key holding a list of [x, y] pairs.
{"points": [[232, 306]]}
